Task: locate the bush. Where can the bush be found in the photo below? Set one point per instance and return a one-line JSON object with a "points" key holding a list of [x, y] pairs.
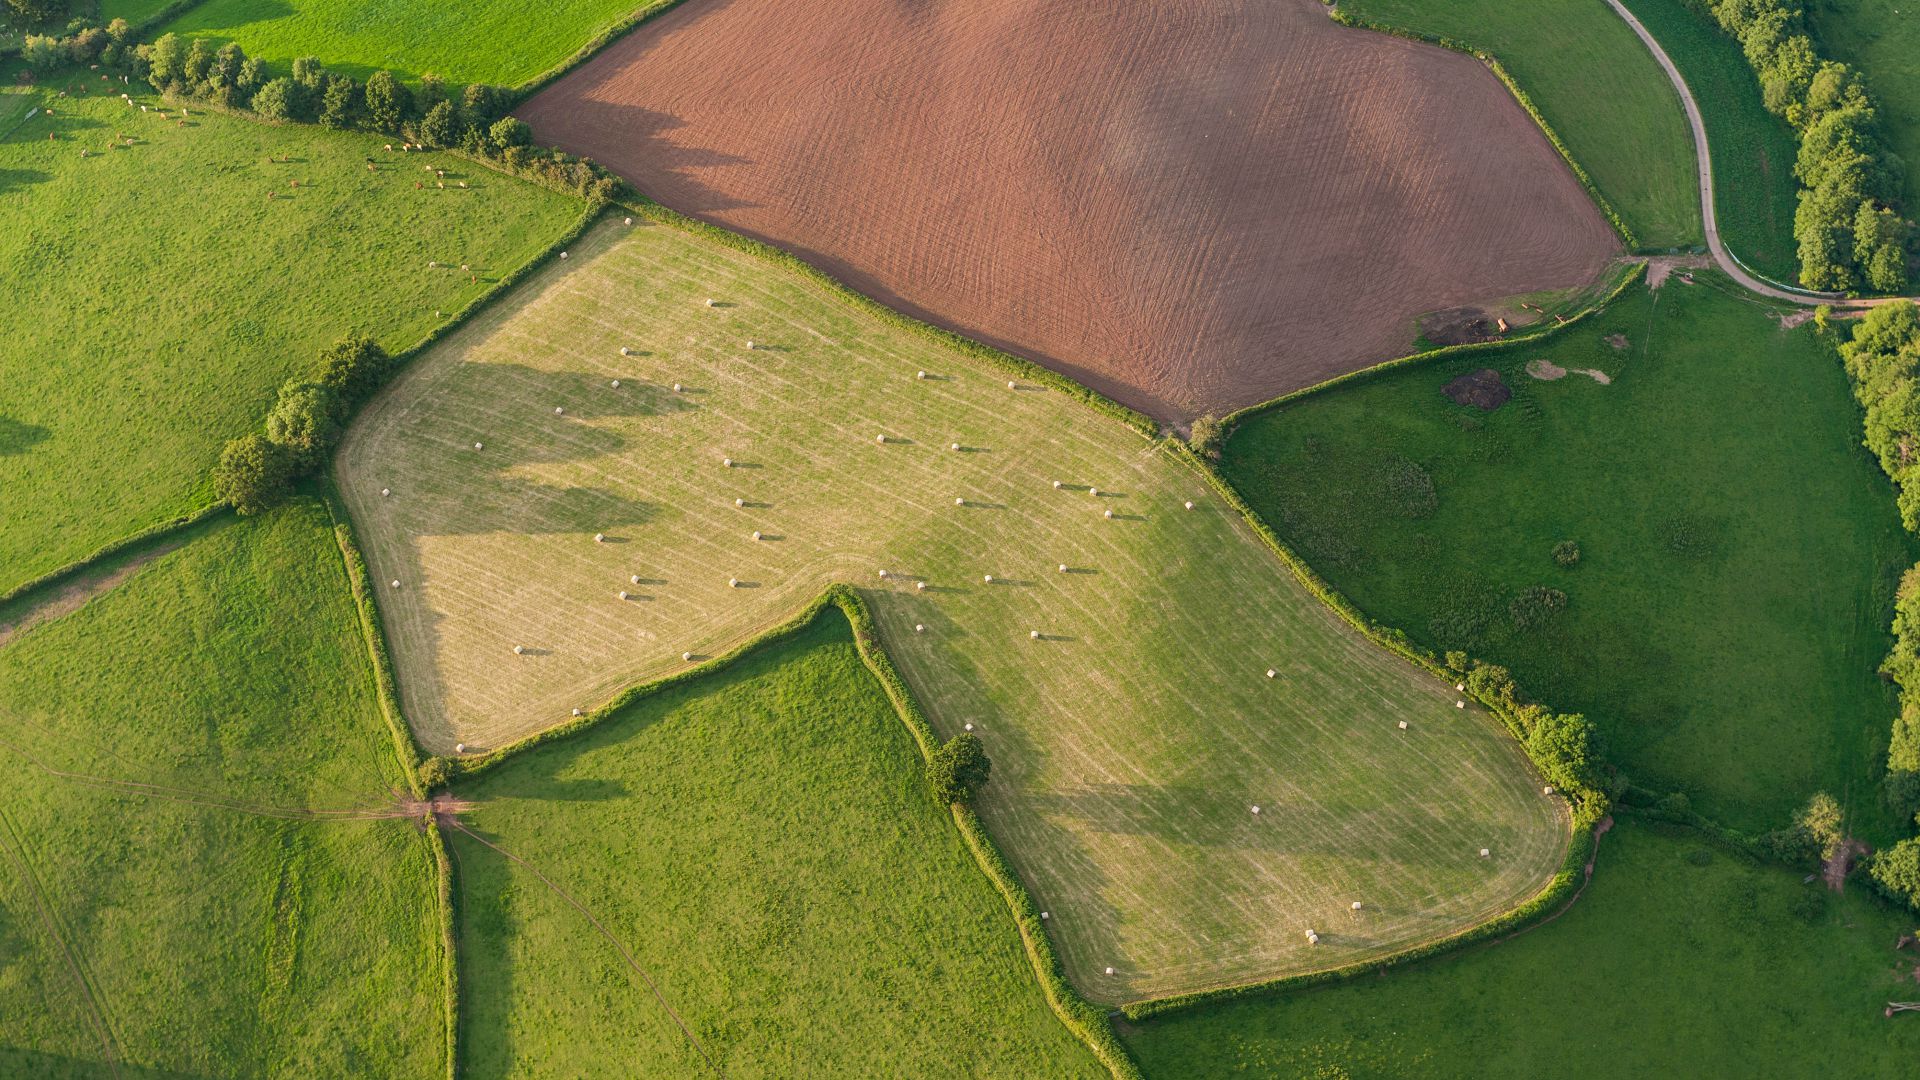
{"points": [[306, 421], [253, 473], [509, 133], [1534, 606], [1824, 823], [440, 127], [388, 101], [353, 368], [1562, 746], [1791, 846], [41, 53], [340, 102], [1205, 436], [278, 99], [1896, 872], [37, 11], [1566, 553], [1491, 682], [958, 769]]}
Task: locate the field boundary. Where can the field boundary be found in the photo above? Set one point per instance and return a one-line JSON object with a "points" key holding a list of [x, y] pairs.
{"points": [[607, 35], [449, 941], [405, 750], [1445, 352], [122, 546], [1493, 64]]}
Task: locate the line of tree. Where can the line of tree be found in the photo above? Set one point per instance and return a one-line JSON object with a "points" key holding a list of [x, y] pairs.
{"points": [[1851, 233], [83, 43], [1883, 359], [256, 471], [431, 114], [1565, 747]]}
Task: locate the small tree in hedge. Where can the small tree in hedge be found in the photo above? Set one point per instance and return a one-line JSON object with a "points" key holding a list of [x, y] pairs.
{"points": [[253, 473], [305, 420], [166, 61], [387, 101], [41, 53], [440, 127], [1206, 436], [353, 368], [1823, 820], [509, 132], [958, 769], [1896, 871], [1491, 682], [340, 104], [278, 99], [481, 102], [1562, 745]]}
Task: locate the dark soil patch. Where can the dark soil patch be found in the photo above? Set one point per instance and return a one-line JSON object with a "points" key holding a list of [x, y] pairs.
{"points": [[1482, 389], [1618, 341], [1458, 326]]}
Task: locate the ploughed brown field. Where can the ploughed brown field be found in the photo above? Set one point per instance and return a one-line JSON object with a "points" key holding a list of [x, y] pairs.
{"points": [[1190, 206]]}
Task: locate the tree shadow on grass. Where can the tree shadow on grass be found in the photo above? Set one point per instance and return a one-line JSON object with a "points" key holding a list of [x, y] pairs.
{"points": [[17, 437]]}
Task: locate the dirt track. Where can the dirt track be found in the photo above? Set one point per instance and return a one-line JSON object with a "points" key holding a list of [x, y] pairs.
{"points": [[1190, 206]]}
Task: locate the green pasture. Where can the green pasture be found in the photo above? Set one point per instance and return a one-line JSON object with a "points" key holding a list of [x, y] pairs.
{"points": [[764, 844], [1130, 737], [158, 297], [168, 906], [1738, 548], [502, 42], [1598, 87], [1679, 960], [1754, 192], [1881, 39]]}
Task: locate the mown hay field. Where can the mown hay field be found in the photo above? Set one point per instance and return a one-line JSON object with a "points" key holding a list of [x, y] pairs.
{"points": [[1598, 87], [1189, 207], [764, 844], [1130, 738], [1733, 591], [1680, 959], [168, 908], [488, 41], [158, 296]]}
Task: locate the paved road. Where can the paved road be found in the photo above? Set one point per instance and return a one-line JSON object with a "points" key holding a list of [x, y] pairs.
{"points": [[1720, 253]]}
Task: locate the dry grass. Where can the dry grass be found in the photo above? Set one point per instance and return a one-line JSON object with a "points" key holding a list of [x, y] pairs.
{"points": [[1128, 744]]}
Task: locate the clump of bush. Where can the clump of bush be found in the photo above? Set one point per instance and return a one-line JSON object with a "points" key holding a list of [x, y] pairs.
{"points": [[308, 415], [430, 115], [1564, 746], [1535, 605], [1895, 871], [1566, 553], [1407, 487], [82, 43], [1206, 436], [1850, 232], [958, 769]]}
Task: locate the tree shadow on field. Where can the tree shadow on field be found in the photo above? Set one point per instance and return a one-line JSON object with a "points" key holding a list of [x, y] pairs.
{"points": [[633, 141], [17, 437], [21, 1062]]}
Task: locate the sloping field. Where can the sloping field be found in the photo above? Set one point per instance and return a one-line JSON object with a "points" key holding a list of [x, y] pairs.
{"points": [[1130, 740], [178, 896], [1190, 207], [836, 924], [159, 291]]}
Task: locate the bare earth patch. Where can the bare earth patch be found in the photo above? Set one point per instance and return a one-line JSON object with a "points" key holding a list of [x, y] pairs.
{"points": [[75, 593], [1190, 207], [1664, 266], [1548, 371]]}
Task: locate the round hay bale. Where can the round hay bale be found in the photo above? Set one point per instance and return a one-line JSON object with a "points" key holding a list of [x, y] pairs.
{"points": [[919, 628], [459, 748], [883, 575], [1189, 504], [727, 462], [396, 583], [676, 388], [576, 712], [599, 538], [989, 579], [1011, 385], [623, 594], [1063, 568], [756, 534], [477, 446], [919, 374], [959, 502], [956, 446], [384, 492], [624, 351], [879, 438], [519, 649], [1056, 484], [1034, 634], [919, 586], [739, 502], [733, 583], [686, 656], [558, 411], [1484, 853], [1108, 513], [615, 384], [635, 579], [629, 221]]}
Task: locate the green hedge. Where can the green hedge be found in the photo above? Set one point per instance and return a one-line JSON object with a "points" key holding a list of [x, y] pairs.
{"points": [[404, 748], [122, 546], [1493, 63]]}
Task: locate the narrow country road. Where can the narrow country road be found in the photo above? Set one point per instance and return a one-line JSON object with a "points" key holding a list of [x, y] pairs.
{"points": [[1721, 255]]}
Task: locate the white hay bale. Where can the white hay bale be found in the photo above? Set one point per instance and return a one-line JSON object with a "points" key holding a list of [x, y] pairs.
{"points": [[883, 573], [384, 492], [1356, 906], [564, 255], [1045, 915], [477, 446], [686, 656], [969, 725], [1063, 568], [709, 301], [1255, 809], [635, 579], [1271, 673], [615, 384], [1403, 725], [558, 411], [756, 534], [576, 712], [623, 594], [919, 586], [749, 346], [1109, 514], [959, 502], [1056, 484], [1094, 491], [599, 538], [1459, 704], [624, 351], [396, 583], [879, 438], [956, 446], [459, 748], [1484, 853], [629, 221], [1011, 385], [1313, 938], [733, 583], [1548, 790], [1034, 634], [519, 649], [1189, 504], [739, 502], [676, 388], [726, 462], [1109, 970], [989, 579], [919, 628], [919, 374], [1459, 686]]}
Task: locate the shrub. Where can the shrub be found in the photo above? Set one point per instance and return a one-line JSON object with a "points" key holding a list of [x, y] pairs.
{"points": [[440, 127], [958, 769], [278, 99], [1896, 871], [340, 103], [1457, 661], [387, 101], [1534, 606], [1205, 436], [252, 474], [1824, 823], [85, 45], [1491, 682], [1566, 553], [41, 53], [37, 11], [1792, 846], [509, 133], [353, 368], [306, 421], [1562, 746]]}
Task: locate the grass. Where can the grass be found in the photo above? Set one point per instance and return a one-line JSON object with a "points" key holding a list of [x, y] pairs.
{"points": [[1739, 549], [210, 941], [1129, 741], [160, 297], [1680, 960], [134, 11], [1881, 40], [488, 41], [1597, 86], [836, 924], [1754, 191]]}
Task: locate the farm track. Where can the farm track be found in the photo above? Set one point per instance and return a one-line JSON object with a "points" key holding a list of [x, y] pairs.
{"points": [[1189, 208], [1703, 156]]}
